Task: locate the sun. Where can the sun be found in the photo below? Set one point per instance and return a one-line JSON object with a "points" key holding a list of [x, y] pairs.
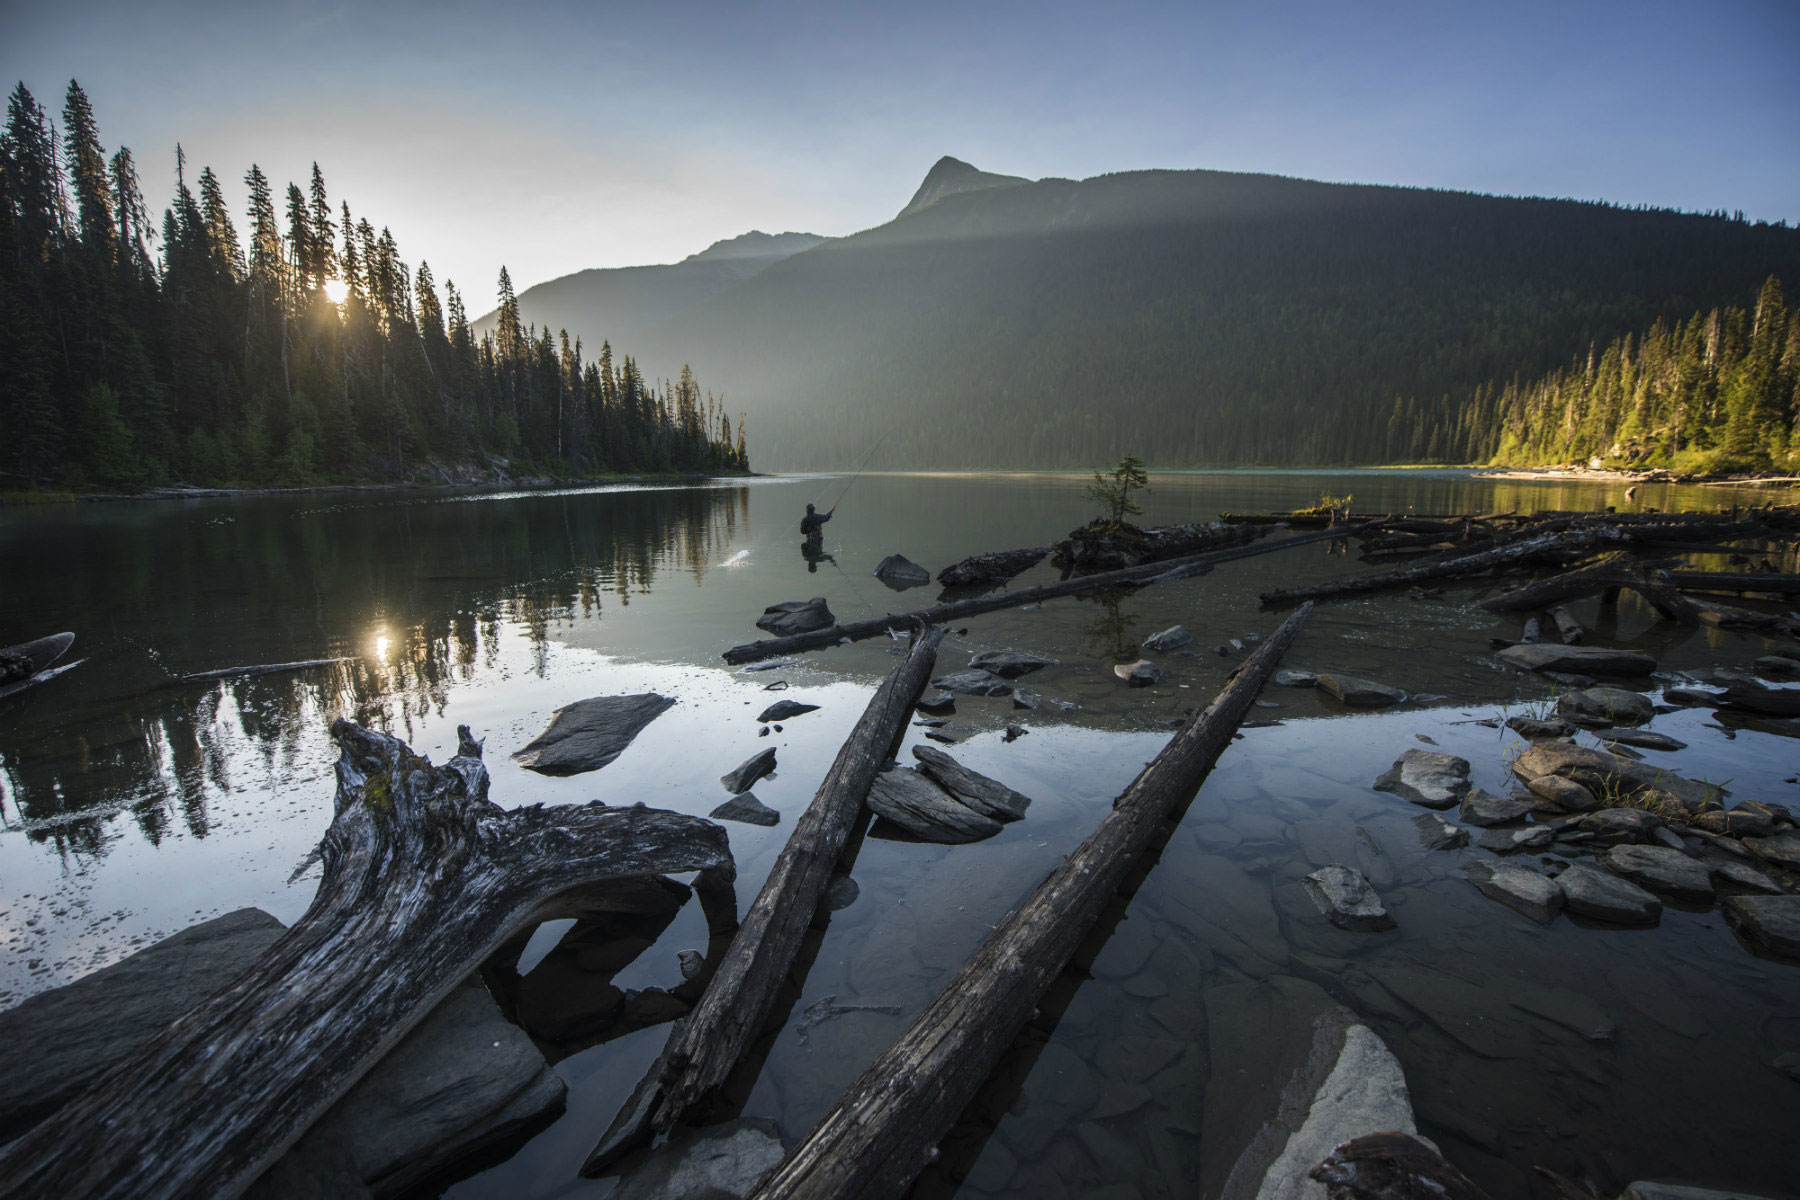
{"points": [[336, 290]]}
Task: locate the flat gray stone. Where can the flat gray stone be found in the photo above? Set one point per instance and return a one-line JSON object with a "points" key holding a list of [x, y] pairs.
{"points": [[1562, 795], [716, 1162], [1519, 888], [783, 710], [1605, 706], [1743, 877], [1783, 849], [796, 616], [1010, 664], [1662, 870], [1772, 921], [1533, 729], [1690, 697], [1602, 773], [1484, 808], [1172, 638], [1346, 899], [1580, 660], [1358, 692], [1435, 833], [925, 810], [1601, 896], [989, 797], [1620, 826], [1427, 778], [1296, 679], [1142, 673], [748, 809], [1643, 739], [900, 572], [590, 733], [1743, 821], [739, 780], [972, 683], [1533, 837]]}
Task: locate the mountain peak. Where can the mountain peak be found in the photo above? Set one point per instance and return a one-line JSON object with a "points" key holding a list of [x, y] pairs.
{"points": [[949, 176], [757, 245]]}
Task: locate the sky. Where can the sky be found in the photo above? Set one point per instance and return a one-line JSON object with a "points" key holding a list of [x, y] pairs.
{"points": [[554, 137]]}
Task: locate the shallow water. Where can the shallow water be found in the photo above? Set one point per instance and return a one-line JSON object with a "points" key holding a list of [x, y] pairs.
{"points": [[131, 806]]}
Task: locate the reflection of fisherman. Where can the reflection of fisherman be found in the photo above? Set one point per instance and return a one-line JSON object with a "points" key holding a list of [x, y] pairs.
{"points": [[812, 525], [813, 551]]}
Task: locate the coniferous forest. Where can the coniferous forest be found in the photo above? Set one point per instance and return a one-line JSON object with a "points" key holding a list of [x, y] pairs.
{"points": [[140, 353]]}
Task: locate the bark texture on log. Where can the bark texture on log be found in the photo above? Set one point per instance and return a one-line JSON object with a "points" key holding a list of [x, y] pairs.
{"points": [[1156, 572], [708, 1042], [423, 879], [884, 1129]]}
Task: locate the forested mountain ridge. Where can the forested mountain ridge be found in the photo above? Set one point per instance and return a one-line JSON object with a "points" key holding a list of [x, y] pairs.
{"points": [[305, 352], [1200, 317]]}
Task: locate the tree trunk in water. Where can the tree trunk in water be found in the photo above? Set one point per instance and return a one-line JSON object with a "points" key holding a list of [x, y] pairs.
{"points": [[423, 879], [883, 1132], [1614, 571]]}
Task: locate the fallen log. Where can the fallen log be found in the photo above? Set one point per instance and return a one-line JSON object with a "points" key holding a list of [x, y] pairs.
{"points": [[706, 1044], [1156, 572], [264, 669], [1616, 570], [1784, 583], [886, 1127], [423, 879], [1567, 627], [1462, 565]]}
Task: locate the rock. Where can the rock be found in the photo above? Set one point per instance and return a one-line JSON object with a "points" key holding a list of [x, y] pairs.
{"points": [[1745, 877], [1296, 679], [841, 893], [1439, 834], [1484, 808], [691, 962], [1620, 826], [1662, 870], [1562, 795], [972, 683], [1736, 822], [1359, 693], [796, 616], [590, 733], [1646, 1190], [1172, 638], [1602, 706], [1662, 835], [900, 572], [1390, 1165], [991, 568], [922, 808], [1595, 894], [1142, 673], [738, 782], [1588, 660], [941, 705], [1346, 898], [1783, 850], [1427, 778], [1014, 733], [1519, 888], [1535, 837], [1688, 696], [1010, 664], [989, 797], [1643, 739], [715, 1162], [783, 710], [1603, 773], [748, 809], [1776, 665], [1532, 729], [1571, 679], [1754, 697], [1771, 921], [1787, 650], [1024, 700]]}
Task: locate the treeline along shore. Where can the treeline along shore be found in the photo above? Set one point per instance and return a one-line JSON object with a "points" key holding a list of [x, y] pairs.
{"points": [[305, 352]]}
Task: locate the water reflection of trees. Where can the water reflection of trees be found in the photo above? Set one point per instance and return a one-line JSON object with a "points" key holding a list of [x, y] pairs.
{"points": [[288, 581]]}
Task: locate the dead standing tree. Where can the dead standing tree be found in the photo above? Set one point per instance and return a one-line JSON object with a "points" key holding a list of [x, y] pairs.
{"points": [[423, 879]]}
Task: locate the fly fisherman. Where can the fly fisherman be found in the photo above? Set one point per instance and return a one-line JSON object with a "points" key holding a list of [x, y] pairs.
{"points": [[812, 525]]}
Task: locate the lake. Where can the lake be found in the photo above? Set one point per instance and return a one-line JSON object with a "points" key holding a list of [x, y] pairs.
{"points": [[132, 806]]}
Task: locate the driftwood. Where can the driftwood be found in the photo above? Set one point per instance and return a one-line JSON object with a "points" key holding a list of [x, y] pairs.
{"points": [[1614, 571], [423, 879], [1786, 583], [1156, 572], [264, 669], [1567, 627], [884, 1130], [1450, 568], [708, 1042]]}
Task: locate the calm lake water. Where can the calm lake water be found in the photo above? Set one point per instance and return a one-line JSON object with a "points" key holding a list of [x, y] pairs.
{"points": [[132, 806]]}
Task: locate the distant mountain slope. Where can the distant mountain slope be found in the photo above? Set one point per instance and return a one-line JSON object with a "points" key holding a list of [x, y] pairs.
{"points": [[949, 176], [619, 302], [1192, 317]]}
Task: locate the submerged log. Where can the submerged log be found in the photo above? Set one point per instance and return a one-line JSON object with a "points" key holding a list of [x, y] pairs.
{"points": [[884, 1130], [263, 669], [423, 879], [707, 1044], [1616, 570], [1156, 572]]}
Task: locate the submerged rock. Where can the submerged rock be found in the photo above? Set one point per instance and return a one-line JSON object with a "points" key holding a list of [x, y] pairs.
{"points": [[796, 616], [1662, 870], [1010, 664], [1743, 877], [1484, 808], [1519, 888], [1604, 706], [781, 710], [1643, 739], [716, 1162], [1620, 826], [1691, 696], [900, 572], [1172, 638], [1142, 673], [1296, 679], [1601, 896], [1438, 834], [1358, 692], [589, 734], [1427, 778], [738, 781], [991, 568], [1771, 921], [1588, 660], [1533, 729], [918, 805], [1346, 899], [748, 809], [989, 797], [970, 683]]}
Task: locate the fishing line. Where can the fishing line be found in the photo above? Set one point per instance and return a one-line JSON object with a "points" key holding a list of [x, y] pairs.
{"points": [[859, 470]]}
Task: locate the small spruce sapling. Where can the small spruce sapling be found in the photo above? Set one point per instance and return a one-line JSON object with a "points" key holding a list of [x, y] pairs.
{"points": [[1112, 490]]}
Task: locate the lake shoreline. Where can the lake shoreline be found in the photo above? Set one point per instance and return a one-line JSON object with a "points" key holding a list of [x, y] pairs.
{"points": [[30, 499], [1654, 475]]}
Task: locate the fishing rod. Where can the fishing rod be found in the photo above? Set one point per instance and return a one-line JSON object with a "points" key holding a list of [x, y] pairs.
{"points": [[860, 469]]}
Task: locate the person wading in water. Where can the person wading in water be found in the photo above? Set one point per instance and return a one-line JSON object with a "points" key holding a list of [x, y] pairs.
{"points": [[812, 525]]}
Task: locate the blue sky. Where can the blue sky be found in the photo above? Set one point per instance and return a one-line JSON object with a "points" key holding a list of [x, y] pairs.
{"points": [[557, 136]]}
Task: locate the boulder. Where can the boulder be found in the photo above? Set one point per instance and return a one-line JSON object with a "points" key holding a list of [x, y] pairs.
{"points": [[1688, 696], [590, 733], [1754, 697], [1358, 692], [1438, 834], [1603, 706], [1427, 778], [1296, 679], [796, 616], [781, 710], [1010, 664], [1603, 773], [971, 683], [1783, 849], [748, 809], [1532, 729], [1770, 921], [1595, 894], [1484, 808], [1519, 888], [715, 1162], [1562, 795], [1142, 673], [991, 568], [925, 810], [1643, 739], [1581, 660], [738, 781], [1172, 638], [989, 797], [1664, 871], [1346, 899], [900, 572]]}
